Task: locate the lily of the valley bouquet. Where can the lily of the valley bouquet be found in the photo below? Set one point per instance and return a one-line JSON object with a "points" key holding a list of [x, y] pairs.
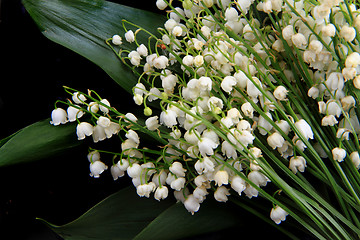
{"points": [[236, 100]]}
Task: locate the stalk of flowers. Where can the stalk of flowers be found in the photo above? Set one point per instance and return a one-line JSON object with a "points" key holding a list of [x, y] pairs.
{"points": [[239, 94]]}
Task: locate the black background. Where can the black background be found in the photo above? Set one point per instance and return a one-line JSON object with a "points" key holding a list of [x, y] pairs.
{"points": [[33, 71]]}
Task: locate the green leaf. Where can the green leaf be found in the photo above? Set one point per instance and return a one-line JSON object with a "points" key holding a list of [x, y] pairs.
{"points": [[177, 223], [37, 141], [84, 25], [124, 215]]}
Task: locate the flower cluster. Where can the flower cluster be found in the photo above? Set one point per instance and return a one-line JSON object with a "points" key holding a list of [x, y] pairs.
{"points": [[238, 93]]}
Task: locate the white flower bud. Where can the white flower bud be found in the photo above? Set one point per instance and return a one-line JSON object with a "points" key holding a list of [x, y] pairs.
{"points": [[338, 154], [206, 31], [133, 136], [355, 159], [160, 4], [96, 168], [93, 156], [129, 36], [297, 164], [93, 107], [116, 40], [78, 98], [103, 108], [84, 129], [278, 214], [58, 116]]}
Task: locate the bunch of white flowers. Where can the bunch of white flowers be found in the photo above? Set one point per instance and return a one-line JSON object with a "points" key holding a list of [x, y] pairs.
{"points": [[240, 100]]}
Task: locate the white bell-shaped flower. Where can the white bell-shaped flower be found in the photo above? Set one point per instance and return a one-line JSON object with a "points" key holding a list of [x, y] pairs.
{"points": [[238, 184], [144, 190], [129, 36], [278, 214], [304, 128], [116, 172], [93, 156], [98, 134], [355, 159], [96, 168], [221, 194], [177, 169], [258, 178], [192, 204], [297, 163], [84, 129], [207, 146], [178, 183], [78, 98], [161, 193], [74, 113], [339, 154], [104, 105], [58, 116], [275, 140], [116, 40], [134, 170], [221, 177]]}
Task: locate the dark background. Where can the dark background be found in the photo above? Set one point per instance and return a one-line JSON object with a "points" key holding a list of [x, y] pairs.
{"points": [[33, 71]]}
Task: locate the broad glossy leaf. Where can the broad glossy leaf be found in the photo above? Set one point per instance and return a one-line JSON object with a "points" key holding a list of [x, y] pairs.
{"points": [[36, 142], [84, 25], [177, 223], [124, 215]]}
